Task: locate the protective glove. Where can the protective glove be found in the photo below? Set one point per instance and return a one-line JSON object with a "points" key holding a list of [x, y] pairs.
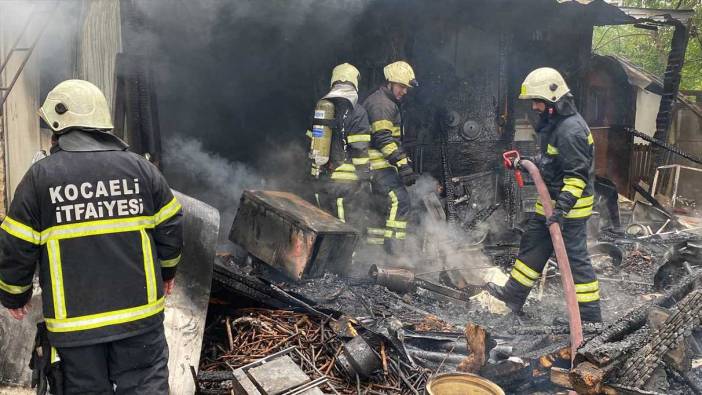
{"points": [[556, 218], [407, 174]]}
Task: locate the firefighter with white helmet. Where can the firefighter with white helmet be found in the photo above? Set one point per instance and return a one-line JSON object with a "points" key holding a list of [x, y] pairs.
{"points": [[391, 168], [106, 232], [340, 137], [567, 167]]}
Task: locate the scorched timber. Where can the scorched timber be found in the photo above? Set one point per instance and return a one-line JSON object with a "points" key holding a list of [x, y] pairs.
{"points": [[630, 323]]}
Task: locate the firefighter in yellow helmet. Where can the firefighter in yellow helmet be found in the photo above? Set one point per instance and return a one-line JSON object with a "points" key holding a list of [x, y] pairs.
{"points": [[340, 137], [106, 232], [391, 169], [567, 167]]}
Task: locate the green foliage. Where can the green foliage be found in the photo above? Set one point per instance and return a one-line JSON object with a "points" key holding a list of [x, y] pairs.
{"points": [[649, 49]]}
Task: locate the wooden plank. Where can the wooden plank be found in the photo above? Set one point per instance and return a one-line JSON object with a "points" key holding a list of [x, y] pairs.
{"points": [[100, 39], [561, 377], [21, 126]]}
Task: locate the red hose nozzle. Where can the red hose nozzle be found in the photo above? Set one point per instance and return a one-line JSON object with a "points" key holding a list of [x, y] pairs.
{"points": [[511, 161]]}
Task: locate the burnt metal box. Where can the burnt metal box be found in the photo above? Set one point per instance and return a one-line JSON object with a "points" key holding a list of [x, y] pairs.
{"points": [[292, 235]]}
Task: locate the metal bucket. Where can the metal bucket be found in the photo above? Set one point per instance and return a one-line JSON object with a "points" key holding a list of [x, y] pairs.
{"points": [[462, 384], [358, 358]]}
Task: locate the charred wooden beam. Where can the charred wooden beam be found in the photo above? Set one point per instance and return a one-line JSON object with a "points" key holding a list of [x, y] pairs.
{"points": [[639, 368], [508, 373], [633, 321], [587, 379]]}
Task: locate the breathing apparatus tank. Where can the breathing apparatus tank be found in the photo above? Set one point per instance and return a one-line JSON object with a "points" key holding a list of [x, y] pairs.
{"points": [[320, 146]]}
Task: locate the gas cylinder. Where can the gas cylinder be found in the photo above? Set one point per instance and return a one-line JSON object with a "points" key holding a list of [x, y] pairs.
{"points": [[320, 146]]}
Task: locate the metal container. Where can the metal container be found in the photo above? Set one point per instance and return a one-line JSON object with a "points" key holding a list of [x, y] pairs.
{"points": [[462, 384], [395, 279], [358, 358], [292, 235]]}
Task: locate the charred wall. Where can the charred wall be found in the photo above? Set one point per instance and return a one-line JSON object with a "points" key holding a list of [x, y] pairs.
{"points": [[470, 59]]}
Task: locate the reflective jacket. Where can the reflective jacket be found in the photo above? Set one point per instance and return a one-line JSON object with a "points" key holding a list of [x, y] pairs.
{"points": [[105, 230], [386, 122], [567, 163]]}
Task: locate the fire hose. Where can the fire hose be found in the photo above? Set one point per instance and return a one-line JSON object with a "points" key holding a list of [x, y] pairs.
{"points": [[512, 160]]}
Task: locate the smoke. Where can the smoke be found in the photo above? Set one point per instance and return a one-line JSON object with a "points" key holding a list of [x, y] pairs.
{"points": [[207, 176], [238, 74], [53, 59], [445, 245], [240, 79], [433, 245], [220, 182]]}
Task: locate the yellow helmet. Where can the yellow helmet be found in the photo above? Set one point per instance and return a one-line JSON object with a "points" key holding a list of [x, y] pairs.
{"points": [[401, 73], [75, 103], [345, 72], [544, 83]]}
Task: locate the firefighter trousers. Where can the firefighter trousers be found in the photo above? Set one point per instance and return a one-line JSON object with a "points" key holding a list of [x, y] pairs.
{"points": [[535, 250], [394, 201], [135, 365], [344, 200]]}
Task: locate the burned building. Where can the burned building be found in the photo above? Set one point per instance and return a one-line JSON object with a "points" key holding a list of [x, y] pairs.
{"points": [[219, 94]]}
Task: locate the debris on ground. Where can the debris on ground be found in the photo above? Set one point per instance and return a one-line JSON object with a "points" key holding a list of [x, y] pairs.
{"points": [[323, 351], [387, 329]]}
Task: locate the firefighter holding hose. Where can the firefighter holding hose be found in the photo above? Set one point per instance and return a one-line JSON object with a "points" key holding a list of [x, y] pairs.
{"points": [[567, 168]]}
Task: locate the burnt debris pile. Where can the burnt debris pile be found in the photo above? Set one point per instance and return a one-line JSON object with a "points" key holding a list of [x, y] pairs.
{"points": [[294, 301]]}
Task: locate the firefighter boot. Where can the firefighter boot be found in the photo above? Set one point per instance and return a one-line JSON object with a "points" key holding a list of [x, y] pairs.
{"points": [[590, 312], [502, 294]]}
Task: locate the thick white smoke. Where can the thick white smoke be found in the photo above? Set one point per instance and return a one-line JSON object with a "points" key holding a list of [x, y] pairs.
{"points": [[208, 177]]}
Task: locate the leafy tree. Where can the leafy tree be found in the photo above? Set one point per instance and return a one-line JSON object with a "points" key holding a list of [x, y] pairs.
{"points": [[649, 49]]}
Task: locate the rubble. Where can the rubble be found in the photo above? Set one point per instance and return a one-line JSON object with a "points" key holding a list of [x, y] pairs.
{"points": [[423, 333], [256, 333], [391, 330]]}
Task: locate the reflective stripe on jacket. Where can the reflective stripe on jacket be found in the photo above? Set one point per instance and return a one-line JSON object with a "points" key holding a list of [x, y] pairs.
{"points": [[385, 121], [106, 231], [567, 164]]}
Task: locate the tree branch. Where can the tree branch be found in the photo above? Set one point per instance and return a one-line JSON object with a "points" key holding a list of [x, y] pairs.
{"points": [[618, 37]]}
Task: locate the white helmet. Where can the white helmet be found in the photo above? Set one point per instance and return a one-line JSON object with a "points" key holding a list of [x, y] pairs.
{"points": [[545, 84], [345, 72], [76, 103], [401, 73]]}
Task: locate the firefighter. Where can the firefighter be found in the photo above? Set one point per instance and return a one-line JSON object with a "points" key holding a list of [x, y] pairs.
{"points": [[391, 170], [106, 232], [342, 133], [567, 167]]}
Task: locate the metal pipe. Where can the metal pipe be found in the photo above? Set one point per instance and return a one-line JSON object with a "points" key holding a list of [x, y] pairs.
{"points": [[576, 328]]}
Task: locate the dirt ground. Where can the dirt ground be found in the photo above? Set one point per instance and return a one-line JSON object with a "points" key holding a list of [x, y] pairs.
{"points": [[15, 391]]}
